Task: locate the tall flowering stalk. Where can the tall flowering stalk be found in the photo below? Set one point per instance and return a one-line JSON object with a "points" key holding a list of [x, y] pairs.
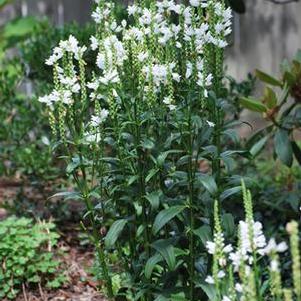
{"points": [[244, 269], [134, 132]]}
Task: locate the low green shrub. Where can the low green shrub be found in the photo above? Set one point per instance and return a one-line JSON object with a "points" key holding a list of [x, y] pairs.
{"points": [[26, 256]]}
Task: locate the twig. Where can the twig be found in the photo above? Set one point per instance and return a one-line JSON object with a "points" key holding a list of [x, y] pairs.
{"points": [[41, 292], [24, 292]]}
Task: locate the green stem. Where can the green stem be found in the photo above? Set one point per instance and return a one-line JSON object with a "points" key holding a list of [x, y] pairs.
{"points": [[99, 248], [96, 234], [191, 176]]}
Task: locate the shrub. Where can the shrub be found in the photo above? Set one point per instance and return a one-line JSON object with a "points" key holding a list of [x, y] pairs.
{"points": [[26, 256]]}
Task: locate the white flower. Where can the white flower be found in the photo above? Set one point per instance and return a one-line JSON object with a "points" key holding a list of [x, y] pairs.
{"points": [[93, 85], [111, 76], [146, 17], [45, 99], [221, 274], [94, 43], [238, 287], [176, 77], [259, 241], [168, 101], [132, 10], [282, 247], [92, 138], [104, 114], [209, 279], [228, 249], [274, 266], [66, 97], [195, 3], [273, 247], [97, 15], [225, 298], [208, 80], [188, 70], [210, 246], [142, 56], [56, 55], [97, 120], [210, 123]]}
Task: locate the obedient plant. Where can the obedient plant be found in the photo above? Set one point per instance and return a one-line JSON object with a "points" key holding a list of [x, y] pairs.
{"points": [[143, 135], [252, 271]]}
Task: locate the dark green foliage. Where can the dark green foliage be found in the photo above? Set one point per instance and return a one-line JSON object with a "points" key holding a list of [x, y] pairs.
{"points": [[281, 109], [26, 257]]}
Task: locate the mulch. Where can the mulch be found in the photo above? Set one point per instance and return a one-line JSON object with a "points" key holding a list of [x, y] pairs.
{"points": [[76, 259]]}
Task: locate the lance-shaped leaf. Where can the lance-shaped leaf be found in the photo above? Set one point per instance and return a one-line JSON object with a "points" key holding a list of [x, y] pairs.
{"points": [[253, 104], [151, 263], [270, 98], [258, 146], [167, 251], [204, 233], [283, 147], [114, 232], [165, 216], [208, 182], [268, 79], [297, 151]]}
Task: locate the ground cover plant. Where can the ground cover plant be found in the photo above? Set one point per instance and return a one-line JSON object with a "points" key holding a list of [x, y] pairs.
{"points": [[26, 256]]}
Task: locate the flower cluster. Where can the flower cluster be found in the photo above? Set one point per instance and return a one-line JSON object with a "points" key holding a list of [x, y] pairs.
{"points": [[242, 265], [156, 38], [166, 41]]}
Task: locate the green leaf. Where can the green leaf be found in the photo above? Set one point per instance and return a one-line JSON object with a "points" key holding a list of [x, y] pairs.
{"points": [[208, 182], [267, 78], [228, 223], [148, 144], [4, 2], [154, 199], [161, 298], [253, 104], [20, 28], [230, 191], [283, 147], [67, 195], [258, 146], [151, 174], [204, 233], [297, 151], [114, 232], [209, 290], [163, 156], [167, 251], [132, 179], [298, 56], [270, 98], [151, 263], [178, 297], [165, 216]]}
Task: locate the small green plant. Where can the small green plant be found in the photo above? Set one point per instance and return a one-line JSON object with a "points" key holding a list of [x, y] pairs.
{"points": [[26, 257], [252, 271]]}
